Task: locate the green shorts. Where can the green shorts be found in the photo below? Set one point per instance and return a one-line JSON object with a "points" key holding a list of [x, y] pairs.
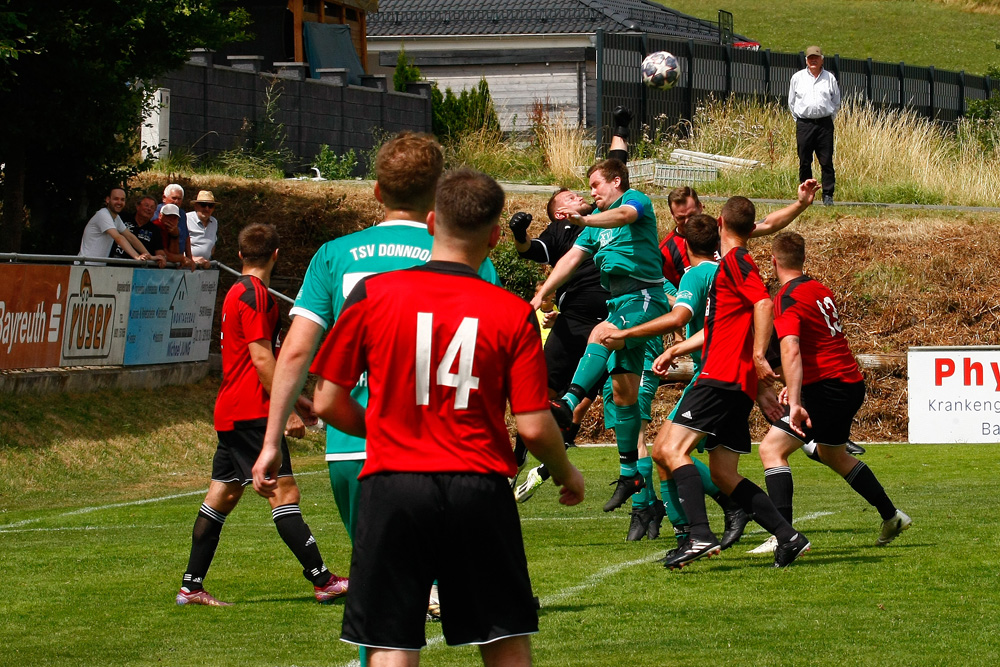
{"points": [[648, 384], [631, 310]]}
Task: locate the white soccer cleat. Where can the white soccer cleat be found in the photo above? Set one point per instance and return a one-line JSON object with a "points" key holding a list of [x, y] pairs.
{"points": [[767, 547], [527, 488], [891, 528]]}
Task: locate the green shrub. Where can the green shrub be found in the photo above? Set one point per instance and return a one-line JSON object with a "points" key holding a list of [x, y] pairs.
{"points": [[456, 115], [519, 275], [335, 167], [406, 72]]}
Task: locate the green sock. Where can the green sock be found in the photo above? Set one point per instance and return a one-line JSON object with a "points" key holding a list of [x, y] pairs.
{"points": [[590, 369], [706, 478], [672, 503], [645, 468], [627, 437]]}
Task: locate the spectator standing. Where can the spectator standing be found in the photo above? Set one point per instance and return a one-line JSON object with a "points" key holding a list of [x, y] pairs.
{"points": [[203, 228], [814, 99]]}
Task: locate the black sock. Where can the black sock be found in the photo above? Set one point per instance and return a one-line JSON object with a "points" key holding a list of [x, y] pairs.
{"points": [[692, 495], [204, 540], [543, 472], [298, 537], [780, 488], [864, 481], [755, 502], [725, 502]]}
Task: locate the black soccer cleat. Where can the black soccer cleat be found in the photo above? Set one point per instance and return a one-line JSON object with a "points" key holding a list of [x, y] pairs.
{"points": [[639, 523], [563, 414], [626, 486], [682, 533], [691, 551], [659, 512], [736, 521], [854, 449], [787, 552]]}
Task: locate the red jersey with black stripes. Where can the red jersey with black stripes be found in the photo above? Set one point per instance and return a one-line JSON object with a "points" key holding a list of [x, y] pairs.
{"points": [[804, 307], [727, 354], [444, 351], [249, 314], [675, 257]]}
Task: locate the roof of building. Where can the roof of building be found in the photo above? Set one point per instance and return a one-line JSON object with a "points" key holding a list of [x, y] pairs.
{"points": [[400, 18]]}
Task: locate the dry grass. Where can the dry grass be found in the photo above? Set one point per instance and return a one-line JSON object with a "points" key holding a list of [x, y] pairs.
{"points": [[891, 155], [563, 148], [973, 6]]}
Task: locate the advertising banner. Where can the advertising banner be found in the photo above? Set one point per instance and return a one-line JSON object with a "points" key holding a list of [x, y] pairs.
{"points": [[170, 316], [954, 394], [32, 301], [96, 316]]}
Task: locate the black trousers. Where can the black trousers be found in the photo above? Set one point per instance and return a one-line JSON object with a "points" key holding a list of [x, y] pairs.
{"points": [[815, 135]]}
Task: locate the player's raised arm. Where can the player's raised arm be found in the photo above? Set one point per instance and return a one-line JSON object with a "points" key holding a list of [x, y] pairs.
{"points": [[561, 272]]}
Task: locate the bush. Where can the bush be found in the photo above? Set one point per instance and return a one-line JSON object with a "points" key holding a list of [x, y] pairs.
{"points": [[406, 72], [519, 276], [335, 167], [456, 115]]}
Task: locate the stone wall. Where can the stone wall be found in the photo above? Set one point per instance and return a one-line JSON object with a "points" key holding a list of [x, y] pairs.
{"points": [[210, 103]]}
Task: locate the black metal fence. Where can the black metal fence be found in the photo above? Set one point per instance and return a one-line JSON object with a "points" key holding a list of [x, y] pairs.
{"points": [[720, 71]]}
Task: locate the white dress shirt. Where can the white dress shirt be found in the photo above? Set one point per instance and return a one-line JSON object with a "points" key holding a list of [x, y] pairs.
{"points": [[202, 237], [813, 96]]}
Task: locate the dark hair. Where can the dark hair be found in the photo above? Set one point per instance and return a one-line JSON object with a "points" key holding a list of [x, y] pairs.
{"points": [[117, 187], [702, 234], [145, 197], [681, 195], [611, 169], [738, 215], [550, 208], [257, 242], [468, 202], [789, 248], [407, 169]]}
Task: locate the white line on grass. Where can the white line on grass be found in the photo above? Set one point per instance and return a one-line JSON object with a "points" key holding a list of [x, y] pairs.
{"points": [[87, 510]]}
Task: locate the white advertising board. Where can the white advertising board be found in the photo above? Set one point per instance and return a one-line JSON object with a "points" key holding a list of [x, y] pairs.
{"points": [[954, 394]]}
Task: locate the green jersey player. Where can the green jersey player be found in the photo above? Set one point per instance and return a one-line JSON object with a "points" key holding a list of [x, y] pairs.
{"points": [[622, 241]]}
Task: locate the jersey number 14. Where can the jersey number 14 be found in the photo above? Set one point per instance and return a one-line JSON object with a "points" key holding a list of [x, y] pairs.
{"points": [[462, 346]]}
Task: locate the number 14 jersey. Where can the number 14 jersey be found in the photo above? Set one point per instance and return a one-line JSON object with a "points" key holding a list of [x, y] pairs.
{"points": [[445, 351]]}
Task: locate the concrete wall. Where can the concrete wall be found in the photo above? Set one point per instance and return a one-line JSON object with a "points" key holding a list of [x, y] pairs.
{"points": [[210, 104]]}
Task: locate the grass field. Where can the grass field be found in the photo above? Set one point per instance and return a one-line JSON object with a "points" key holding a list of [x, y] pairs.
{"points": [[919, 32], [93, 581]]}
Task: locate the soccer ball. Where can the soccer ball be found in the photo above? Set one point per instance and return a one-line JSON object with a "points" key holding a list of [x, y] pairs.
{"points": [[661, 70]]}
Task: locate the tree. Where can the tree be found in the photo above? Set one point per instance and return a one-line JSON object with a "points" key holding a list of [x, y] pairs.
{"points": [[405, 72], [71, 99]]}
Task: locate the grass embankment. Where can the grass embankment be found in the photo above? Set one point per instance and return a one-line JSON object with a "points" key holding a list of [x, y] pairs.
{"points": [[98, 587], [902, 278], [948, 34]]}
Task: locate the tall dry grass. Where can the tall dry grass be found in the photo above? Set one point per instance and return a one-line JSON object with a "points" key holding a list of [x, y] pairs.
{"points": [[563, 149], [880, 155], [973, 6]]}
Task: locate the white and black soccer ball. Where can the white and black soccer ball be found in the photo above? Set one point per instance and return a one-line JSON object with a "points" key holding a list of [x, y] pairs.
{"points": [[661, 70]]}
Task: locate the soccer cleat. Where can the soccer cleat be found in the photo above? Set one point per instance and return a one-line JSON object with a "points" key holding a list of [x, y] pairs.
{"points": [[891, 528], [200, 596], [434, 605], [639, 523], [653, 531], [786, 553], [563, 415], [736, 521], [854, 449], [691, 551], [626, 486], [335, 588], [527, 488], [682, 533], [768, 547], [827, 200]]}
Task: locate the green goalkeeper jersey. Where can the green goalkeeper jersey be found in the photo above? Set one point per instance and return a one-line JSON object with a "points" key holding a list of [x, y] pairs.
{"points": [[334, 271], [630, 251]]}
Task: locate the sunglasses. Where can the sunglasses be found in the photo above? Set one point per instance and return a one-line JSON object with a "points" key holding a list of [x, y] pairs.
{"points": [[203, 205]]}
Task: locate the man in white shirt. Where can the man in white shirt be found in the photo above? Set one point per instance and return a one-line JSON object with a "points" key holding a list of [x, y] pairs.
{"points": [[203, 228], [814, 99], [106, 228]]}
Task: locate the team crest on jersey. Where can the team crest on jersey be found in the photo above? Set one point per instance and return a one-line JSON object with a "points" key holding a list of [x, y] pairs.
{"points": [[605, 237]]}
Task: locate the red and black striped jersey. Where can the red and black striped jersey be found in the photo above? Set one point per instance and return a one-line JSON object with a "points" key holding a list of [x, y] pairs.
{"points": [[804, 307], [249, 314], [727, 355], [675, 257], [444, 351]]}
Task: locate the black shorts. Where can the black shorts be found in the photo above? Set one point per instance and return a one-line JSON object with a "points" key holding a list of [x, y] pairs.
{"points": [[722, 414], [563, 350], [238, 451], [831, 405], [461, 529]]}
